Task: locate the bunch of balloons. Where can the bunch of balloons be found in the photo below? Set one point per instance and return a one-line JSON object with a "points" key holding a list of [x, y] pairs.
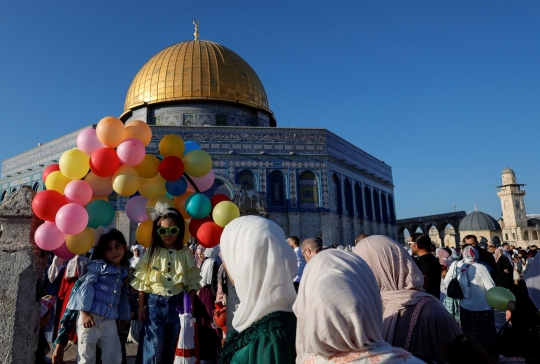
{"points": [[113, 157]]}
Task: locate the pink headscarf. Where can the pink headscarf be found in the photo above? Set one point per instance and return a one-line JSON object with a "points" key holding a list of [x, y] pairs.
{"points": [[444, 257], [399, 278]]}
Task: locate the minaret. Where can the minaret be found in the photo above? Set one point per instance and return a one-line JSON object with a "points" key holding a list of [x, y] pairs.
{"points": [[512, 200]]}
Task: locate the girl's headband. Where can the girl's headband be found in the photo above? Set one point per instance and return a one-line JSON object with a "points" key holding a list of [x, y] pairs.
{"points": [[161, 209]]}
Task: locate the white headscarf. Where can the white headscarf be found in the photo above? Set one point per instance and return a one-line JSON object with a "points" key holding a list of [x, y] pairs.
{"points": [[55, 268], [399, 278], [532, 279], [76, 267], [262, 266], [340, 313], [135, 260], [207, 267]]}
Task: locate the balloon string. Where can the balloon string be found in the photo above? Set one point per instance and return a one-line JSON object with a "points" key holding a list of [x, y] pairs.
{"points": [[192, 183]]}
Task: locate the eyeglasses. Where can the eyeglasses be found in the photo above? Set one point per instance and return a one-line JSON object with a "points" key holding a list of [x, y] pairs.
{"points": [[173, 231]]}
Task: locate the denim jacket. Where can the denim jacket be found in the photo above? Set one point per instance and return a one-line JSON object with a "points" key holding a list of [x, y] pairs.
{"points": [[102, 291]]}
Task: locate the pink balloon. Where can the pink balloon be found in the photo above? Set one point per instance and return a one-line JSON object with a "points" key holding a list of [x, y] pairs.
{"points": [[48, 237], [203, 183], [101, 186], [71, 219], [136, 209], [79, 192], [63, 252], [87, 141], [131, 152]]}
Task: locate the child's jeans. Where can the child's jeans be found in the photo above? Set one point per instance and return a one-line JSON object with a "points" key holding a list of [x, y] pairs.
{"points": [[161, 328], [105, 333]]}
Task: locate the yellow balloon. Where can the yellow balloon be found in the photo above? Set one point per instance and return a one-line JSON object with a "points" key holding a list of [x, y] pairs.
{"points": [[152, 186], [56, 181], [171, 145], [80, 243], [149, 167], [197, 163], [187, 235], [125, 181], [110, 131], [74, 164], [139, 130], [152, 201], [144, 233], [225, 212]]}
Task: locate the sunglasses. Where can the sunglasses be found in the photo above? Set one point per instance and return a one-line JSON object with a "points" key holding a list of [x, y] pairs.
{"points": [[173, 231]]}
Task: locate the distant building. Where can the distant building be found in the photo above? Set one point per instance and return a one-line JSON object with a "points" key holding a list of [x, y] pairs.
{"points": [[517, 228]]}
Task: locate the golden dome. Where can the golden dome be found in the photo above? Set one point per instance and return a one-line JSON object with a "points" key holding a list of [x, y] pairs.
{"points": [[196, 70]]}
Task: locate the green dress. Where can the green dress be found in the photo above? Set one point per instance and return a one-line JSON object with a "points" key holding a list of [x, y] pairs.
{"points": [[271, 340]]}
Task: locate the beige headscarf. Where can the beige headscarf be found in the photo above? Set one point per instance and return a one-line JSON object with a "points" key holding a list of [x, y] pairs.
{"points": [[498, 254], [262, 265], [399, 278], [339, 313]]}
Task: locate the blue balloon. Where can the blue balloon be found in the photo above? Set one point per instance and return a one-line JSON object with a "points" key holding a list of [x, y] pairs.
{"points": [[176, 188], [198, 206], [189, 146]]}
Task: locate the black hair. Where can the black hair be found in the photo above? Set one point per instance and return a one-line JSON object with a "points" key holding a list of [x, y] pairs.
{"points": [[157, 242], [422, 241], [470, 237], [295, 239], [103, 243]]}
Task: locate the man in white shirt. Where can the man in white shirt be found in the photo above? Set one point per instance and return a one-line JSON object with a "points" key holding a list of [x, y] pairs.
{"points": [[294, 242]]}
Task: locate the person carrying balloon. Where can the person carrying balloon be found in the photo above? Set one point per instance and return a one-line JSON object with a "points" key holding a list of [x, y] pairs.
{"points": [[162, 275], [101, 298]]}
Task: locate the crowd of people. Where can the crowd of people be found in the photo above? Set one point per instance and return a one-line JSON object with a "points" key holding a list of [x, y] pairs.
{"points": [[289, 300]]}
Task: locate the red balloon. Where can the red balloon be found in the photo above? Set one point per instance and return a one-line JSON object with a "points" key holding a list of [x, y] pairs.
{"points": [[104, 162], [48, 170], [219, 198], [47, 203], [209, 234], [171, 168], [195, 224]]}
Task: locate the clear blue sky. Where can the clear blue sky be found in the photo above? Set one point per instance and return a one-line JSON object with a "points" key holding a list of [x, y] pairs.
{"points": [[446, 92]]}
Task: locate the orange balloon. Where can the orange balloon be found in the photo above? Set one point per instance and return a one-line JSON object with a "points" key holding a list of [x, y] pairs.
{"points": [[180, 203], [149, 167], [111, 131], [139, 130], [144, 233]]}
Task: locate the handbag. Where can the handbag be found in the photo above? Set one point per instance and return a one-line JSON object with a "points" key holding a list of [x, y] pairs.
{"points": [[454, 289]]}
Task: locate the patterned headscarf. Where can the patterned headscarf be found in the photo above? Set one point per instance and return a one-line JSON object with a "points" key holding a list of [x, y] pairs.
{"points": [[470, 255], [444, 257]]}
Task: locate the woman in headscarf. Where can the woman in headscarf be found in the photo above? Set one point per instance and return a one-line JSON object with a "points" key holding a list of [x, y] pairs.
{"points": [[505, 270], [412, 319], [199, 255], [137, 255], [340, 314], [476, 315], [209, 335], [261, 266], [444, 261]]}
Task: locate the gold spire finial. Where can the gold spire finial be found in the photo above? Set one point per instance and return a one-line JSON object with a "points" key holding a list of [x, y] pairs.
{"points": [[196, 22]]}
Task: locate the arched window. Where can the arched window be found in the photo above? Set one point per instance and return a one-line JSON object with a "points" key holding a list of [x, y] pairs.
{"points": [[349, 209], [277, 189], [369, 205], [525, 235], [35, 187], [246, 180], [384, 208], [219, 187], [534, 235], [13, 190], [337, 194], [377, 204], [391, 213], [496, 241], [359, 200], [3, 195], [308, 190]]}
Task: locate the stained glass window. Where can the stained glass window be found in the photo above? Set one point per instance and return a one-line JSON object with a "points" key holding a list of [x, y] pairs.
{"points": [[308, 190], [277, 189], [246, 180]]}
